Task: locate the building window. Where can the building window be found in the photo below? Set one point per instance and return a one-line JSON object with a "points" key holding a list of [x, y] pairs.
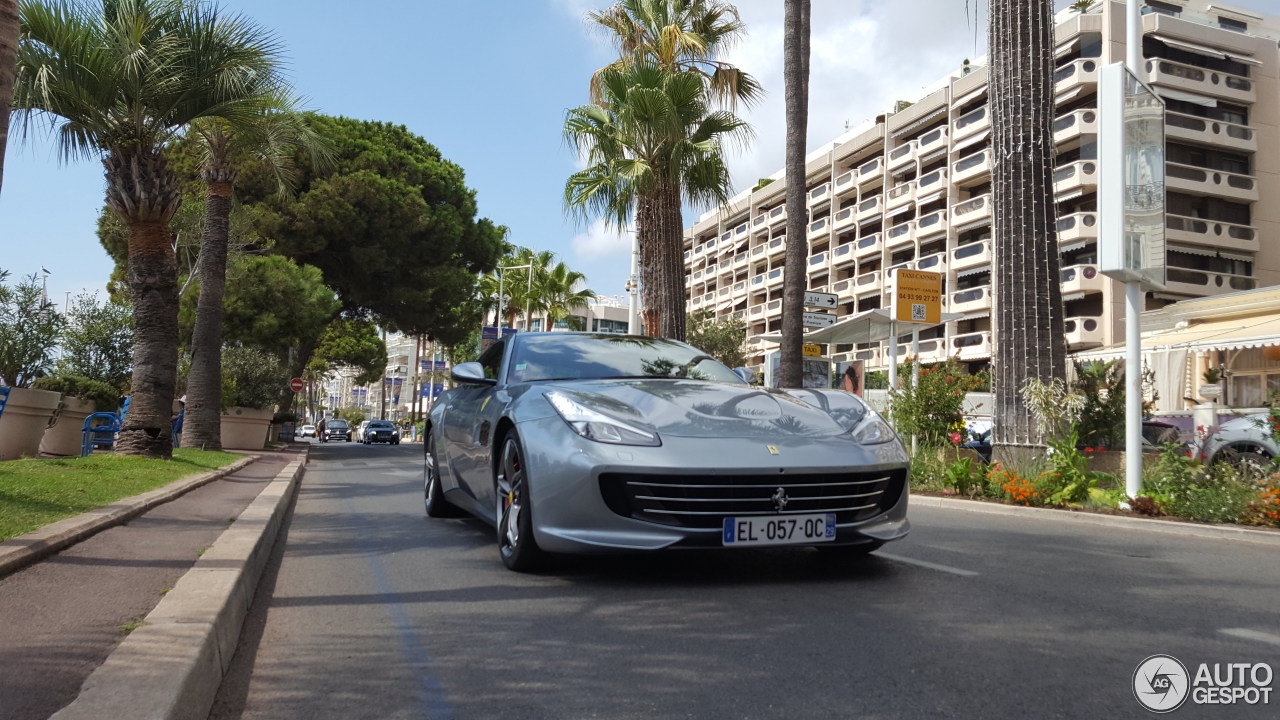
{"points": [[1163, 8], [1228, 24]]}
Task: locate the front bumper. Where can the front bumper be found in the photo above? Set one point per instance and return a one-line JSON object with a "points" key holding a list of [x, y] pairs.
{"points": [[570, 478]]}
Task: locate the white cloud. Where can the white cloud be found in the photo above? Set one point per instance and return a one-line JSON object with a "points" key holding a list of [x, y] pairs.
{"points": [[599, 243]]}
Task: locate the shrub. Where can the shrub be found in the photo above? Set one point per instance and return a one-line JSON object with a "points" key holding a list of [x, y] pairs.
{"points": [[965, 477], [1185, 487], [29, 330], [251, 378], [1067, 480], [933, 409], [1014, 487], [927, 470], [103, 396]]}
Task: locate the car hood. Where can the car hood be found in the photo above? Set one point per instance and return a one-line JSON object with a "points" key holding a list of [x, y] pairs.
{"points": [[699, 409]]}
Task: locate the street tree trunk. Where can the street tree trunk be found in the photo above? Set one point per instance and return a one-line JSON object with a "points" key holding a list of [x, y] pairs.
{"points": [[1030, 342], [794, 281], [10, 29], [660, 233], [143, 191], [202, 426]]}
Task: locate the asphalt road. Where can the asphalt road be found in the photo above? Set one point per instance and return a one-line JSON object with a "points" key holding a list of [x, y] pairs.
{"points": [[372, 610]]}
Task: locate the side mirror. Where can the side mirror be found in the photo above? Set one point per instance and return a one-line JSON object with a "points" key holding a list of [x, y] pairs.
{"points": [[748, 375], [471, 373]]}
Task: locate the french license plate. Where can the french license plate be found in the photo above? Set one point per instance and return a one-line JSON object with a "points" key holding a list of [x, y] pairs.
{"points": [[779, 529]]}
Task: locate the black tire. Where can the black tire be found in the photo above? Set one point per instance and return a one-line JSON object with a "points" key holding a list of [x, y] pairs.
{"points": [[1254, 465], [514, 517], [432, 494]]}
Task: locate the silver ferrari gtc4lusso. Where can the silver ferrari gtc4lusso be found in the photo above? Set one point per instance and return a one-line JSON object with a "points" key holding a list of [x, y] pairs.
{"points": [[589, 443]]}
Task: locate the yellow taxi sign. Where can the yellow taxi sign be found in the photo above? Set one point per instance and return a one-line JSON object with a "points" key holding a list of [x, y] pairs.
{"points": [[917, 296], [812, 350]]}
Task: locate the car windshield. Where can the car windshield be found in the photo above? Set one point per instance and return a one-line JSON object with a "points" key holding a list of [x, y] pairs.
{"points": [[574, 356], [379, 426], [337, 424]]}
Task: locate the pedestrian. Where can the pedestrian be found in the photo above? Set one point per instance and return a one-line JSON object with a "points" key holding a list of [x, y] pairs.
{"points": [[177, 419], [324, 436]]}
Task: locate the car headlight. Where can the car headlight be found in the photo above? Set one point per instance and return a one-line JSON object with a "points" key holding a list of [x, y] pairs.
{"points": [[594, 425], [873, 431]]}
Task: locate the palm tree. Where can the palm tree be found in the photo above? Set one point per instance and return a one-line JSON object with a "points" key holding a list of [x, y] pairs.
{"points": [[273, 135], [557, 291], [119, 80], [1029, 321], [679, 36], [794, 279], [652, 144], [10, 29]]}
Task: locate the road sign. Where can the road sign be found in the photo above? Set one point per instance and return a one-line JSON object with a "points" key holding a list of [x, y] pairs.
{"points": [[819, 320], [296, 385], [917, 296], [820, 300]]}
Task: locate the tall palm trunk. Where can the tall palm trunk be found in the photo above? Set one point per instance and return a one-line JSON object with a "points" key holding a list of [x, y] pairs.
{"points": [[203, 421], [1030, 341], [661, 236], [794, 278], [143, 191], [10, 29]]}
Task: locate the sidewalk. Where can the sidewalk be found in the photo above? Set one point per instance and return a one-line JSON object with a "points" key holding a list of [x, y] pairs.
{"points": [[70, 611]]}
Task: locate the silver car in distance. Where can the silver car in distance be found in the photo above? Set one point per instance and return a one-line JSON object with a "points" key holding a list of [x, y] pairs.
{"points": [[590, 443]]}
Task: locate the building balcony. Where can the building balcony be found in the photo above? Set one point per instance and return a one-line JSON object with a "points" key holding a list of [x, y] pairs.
{"points": [[931, 225], [820, 195], [777, 247], [778, 215], [928, 185], [902, 155], [972, 122], [773, 309], [759, 250], [1073, 125], [774, 278], [900, 195], [695, 302], [1196, 282], [869, 208], [867, 246], [756, 311], [871, 357], [1083, 333], [726, 267], [971, 300], [843, 218], [972, 255], [842, 255], [1194, 79], [818, 263], [819, 229], [739, 261], [972, 169], [971, 346], [1211, 232], [936, 262], [842, 286], [932, 141], [760, 223], [971, 213], [1077, 226], [1240, 188], [740, 230], [1082, 279], [1079, 74], [870, 174], [1178, 126], [931, 350], [867, 283], [844, 183], [1075, 179], [899, 234], [888, 272]]}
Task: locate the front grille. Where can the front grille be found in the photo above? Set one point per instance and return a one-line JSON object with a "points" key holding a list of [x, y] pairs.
{"points": [[701, 501]]}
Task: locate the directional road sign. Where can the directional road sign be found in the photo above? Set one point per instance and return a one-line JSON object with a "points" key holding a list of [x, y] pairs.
{"points": [[820, 300], [819, 320]]}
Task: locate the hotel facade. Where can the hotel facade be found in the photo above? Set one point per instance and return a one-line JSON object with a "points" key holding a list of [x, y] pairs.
{"points": [[913, 190]]}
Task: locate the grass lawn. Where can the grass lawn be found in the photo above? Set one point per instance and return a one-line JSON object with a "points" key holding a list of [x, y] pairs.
{"points": [[35, 492]]}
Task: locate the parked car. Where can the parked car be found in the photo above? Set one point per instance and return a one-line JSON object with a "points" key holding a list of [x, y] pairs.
{"points": [[590, 443], [337, 429], [1155, 435], [1245, 440], [360, 430], [379, 431], [307, 431]]}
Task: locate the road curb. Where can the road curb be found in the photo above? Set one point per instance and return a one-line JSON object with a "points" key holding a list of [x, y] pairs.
{"points": [[1216, 532], [23, 550], [171, 667]]}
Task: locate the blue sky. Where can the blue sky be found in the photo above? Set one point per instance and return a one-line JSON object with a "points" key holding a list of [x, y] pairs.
{"points": [[488, 83]]}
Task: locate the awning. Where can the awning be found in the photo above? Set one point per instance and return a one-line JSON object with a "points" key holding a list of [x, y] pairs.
{"points": [[1059, 99], [1068, 195], [1206, 251], [917, 123], [1188, 46], [1073, 246], [1068, 297], [972, 140], [1228, 334], [973, 225], [930, 156], [973, 271], [864, 327], [928, 198], [1185, 96], [1067, 47], [966, 99], [898, 210], [1242, 59], [977, 315], [868, 221]]}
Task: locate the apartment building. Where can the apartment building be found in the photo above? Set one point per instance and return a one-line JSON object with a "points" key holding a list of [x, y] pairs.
{"points": [[913, 189]]}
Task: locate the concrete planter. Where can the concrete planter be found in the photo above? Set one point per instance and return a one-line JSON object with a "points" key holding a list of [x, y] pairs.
{"points": [[245, 428], [24, 421], [65, 436]]}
